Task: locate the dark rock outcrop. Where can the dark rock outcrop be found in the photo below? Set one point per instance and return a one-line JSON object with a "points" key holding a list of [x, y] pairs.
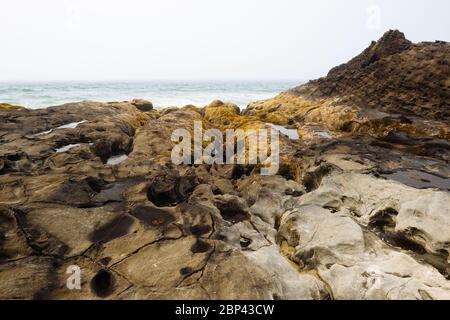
{"points": [[392, 75]]}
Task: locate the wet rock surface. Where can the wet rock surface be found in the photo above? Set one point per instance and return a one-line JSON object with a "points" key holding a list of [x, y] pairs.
{"points": [[359, 208]]}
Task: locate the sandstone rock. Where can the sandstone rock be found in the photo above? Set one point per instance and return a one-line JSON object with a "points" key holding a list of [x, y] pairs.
{"points": [[319, 236], [291, 284], [26, 279], [392, 277], [416, 220], [358, 209]]}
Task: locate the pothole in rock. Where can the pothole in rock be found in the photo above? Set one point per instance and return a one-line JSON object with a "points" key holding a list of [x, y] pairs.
{"points": [[95, 184], [112, 152], [232, 210], [167, 198], [168, 191], [239, 171], [383, 219], [154, 217], [200, 230], [186, 271], [287, 171], [245, 242], [383, 224], [17, 162], [102, 283], [105, 261], [15, 157], [200, 247]]}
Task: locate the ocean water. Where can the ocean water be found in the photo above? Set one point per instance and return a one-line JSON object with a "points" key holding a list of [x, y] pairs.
{"points": [[161, 93]]}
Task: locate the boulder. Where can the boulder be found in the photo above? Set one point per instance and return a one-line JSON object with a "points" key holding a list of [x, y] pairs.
{"points": [[142, 104]]}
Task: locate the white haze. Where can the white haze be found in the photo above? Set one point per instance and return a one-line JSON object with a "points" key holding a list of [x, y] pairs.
{"points": [[90, 40]]}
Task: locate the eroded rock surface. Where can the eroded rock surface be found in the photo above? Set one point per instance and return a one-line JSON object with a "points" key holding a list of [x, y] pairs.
{"points": [[359, 208]]}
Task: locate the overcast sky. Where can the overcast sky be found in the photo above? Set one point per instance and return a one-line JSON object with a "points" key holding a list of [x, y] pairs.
{"points": [[200, 39]]}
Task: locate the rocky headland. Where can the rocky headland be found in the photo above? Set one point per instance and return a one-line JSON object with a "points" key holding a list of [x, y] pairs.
{"points": [[359, 208]]}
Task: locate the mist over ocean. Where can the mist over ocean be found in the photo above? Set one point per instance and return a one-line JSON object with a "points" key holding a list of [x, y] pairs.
{"points": [[161, 93]]}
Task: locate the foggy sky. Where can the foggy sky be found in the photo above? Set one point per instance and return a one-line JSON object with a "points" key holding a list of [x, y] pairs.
{"points": [[200, 39]]}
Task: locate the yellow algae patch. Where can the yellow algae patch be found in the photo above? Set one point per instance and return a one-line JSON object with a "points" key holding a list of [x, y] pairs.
{"points": [[7, 106], [283, 109], [192, 108], [225, 115]]}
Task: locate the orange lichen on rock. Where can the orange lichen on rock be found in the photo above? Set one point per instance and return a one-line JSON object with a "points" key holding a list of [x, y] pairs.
{"points": [[7, 106]]}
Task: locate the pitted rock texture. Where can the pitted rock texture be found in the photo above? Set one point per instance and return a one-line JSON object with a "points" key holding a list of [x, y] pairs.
{"points": [[359, 208]]}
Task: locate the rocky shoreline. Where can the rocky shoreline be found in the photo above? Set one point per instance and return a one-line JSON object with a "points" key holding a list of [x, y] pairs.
{"points": [[359, 208]]}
